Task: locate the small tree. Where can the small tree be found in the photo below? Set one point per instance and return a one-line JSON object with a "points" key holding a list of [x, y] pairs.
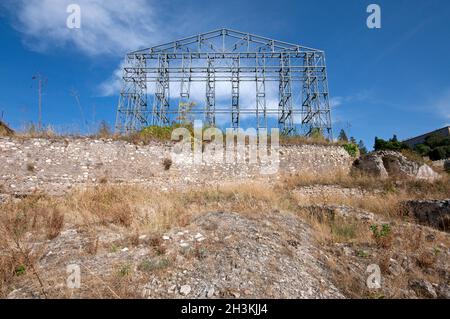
{"points": [[362, 147], [343, 136], [393, 144]]}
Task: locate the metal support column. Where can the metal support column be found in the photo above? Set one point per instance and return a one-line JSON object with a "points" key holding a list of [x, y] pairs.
{"points": [[185, 88], [210, 106], [261, 109], [235, 116], [162, 94], [286, 116], [132, 111]]}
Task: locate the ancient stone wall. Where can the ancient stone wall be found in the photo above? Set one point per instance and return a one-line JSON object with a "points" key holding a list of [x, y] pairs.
{"points": [[57, 165]]}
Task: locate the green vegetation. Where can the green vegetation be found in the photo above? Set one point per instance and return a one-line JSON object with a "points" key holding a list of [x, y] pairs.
{"points": [[383, 235], [436, 147], [157, 133], [350, 145], [351, 149], [343, 136], [362, 148], [125, 270], [20, 270], [392, 145], [383, 232], [149, 265]]}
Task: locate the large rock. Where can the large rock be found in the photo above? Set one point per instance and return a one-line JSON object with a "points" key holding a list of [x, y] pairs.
{"points": [[371, 164], [434, 213], [423, 288], [447, 165], [393, 164]]}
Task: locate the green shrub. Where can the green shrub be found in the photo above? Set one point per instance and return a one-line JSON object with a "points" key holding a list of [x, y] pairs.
{"points": [[437, 140], [157, 132], [392, 145], [383, 235], [20, 270], [440, 153], [422, 149], [351, 149], [385, 230], [343, 137]]}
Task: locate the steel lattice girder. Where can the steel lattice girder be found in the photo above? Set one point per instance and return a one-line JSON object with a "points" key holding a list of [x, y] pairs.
{"points": [[233, 57]]}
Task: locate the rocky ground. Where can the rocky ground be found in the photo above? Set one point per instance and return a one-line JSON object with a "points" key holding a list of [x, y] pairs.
{"points": [[219, 255], [310, 231]]}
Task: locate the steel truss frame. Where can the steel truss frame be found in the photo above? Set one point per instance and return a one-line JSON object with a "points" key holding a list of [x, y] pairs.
{"points": [[233, 57]]}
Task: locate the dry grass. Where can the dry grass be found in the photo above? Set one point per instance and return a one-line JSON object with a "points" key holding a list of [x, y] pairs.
{"points": [[380, 196], [303, 140], [137, 210], [436, 189]]}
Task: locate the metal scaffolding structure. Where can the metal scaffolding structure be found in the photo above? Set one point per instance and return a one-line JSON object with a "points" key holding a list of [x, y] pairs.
{"points": [[231, 57]]}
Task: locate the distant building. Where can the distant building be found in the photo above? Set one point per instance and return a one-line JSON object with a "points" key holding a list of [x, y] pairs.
{"points": [[412, 142]]}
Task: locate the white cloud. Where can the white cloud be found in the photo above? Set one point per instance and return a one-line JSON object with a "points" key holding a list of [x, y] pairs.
{"points": [[336, 101], [442, 105], [107, 27], [363, 96], [113, 85]]}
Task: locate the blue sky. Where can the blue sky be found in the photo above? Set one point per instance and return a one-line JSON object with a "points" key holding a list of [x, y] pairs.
{"points": [[393, 80]]}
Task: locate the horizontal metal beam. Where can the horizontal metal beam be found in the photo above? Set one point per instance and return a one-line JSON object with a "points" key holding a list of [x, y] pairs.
{"points": [[219, 78], [273, 44], [225, 55]]}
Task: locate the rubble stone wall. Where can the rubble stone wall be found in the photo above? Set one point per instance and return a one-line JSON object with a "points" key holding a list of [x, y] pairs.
{"points": [[57, 165]]}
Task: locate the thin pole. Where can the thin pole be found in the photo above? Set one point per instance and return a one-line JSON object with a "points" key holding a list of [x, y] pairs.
{"points": [[40, 103]]}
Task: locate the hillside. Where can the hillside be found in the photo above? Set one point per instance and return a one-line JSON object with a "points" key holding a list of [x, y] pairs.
{"points": [[139, 226]]}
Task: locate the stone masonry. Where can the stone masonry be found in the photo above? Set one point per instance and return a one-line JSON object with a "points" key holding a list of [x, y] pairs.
{"points": [[55, 166]]}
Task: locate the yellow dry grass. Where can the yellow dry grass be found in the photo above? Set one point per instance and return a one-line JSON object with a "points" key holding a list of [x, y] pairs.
{"points": [[139, 210]]}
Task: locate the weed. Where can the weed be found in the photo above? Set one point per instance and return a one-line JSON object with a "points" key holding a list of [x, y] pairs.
{"points": [[125, 270], [362, 253], [114, 248], [382, 236], [149, 265], [20, 270], [55, 224]]}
